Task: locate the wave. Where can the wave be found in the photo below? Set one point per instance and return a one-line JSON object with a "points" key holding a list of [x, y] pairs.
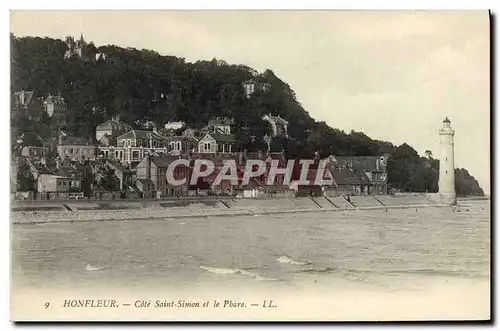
{"points": [[322, 270], [90, 267], [220, 271], [287, 260], [229, 271]]}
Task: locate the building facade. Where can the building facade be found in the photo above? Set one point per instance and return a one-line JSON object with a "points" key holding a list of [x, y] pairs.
{"points": [[79, 48], [220, 125], [181, 144], [154, 168], [134, 145], [174, 125], [373, 167], [56, 108], [76, 148], [52, 183], [279, 125], [216, 143], [113, 128], [34, 151]]}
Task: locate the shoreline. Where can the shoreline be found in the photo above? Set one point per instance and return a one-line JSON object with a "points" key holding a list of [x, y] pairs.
{"points": [[56, 217]]}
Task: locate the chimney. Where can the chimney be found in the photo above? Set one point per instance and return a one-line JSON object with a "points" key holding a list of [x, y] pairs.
{"points": [[240, 158], [148, 170]]}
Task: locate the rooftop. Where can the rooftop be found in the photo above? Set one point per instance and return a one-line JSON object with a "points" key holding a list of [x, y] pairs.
{"points": [[142, 134]]}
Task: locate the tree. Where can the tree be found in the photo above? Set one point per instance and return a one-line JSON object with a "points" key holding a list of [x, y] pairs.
{"points": [[133, 81], [25, 179]]}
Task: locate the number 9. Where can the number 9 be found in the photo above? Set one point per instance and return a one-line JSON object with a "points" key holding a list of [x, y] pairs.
{"points": [[47, 304]]}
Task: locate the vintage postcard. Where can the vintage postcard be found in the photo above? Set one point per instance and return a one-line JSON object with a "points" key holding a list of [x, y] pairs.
{"points": [[250, 165]]}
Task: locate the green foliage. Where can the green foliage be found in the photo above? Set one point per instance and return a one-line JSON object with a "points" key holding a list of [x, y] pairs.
{"points": [[143, 85], [110, 182], [25, 180], [466, 185]]}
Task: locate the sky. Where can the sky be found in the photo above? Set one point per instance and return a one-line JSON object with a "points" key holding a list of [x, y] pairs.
{"points": [[395, 75]]}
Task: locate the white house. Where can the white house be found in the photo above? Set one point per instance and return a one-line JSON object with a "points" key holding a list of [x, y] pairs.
{"points": [[216, 143], [174, 125]]}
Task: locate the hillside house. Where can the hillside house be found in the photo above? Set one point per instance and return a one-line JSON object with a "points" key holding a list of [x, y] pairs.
{"points": [[56, 109], [80, 48], [34, 152], [250, 86], [279, 125], [26, 102], [182, 144], [221, 125], [216, 143], [75, 148], [112, 128], [175, 125], [133, 146]]}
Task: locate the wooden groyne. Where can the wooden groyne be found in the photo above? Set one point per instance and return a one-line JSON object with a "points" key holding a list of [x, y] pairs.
{"points": [[118, 210]]}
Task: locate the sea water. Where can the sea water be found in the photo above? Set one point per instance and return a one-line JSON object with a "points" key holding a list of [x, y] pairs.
{"points": [[417, 250]]}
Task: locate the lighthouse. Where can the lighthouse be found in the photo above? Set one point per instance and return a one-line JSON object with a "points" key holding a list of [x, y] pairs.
{"points": [[447, 164]]}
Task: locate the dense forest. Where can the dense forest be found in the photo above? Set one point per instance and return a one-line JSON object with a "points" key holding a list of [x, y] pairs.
{"points": [[143, 85]]}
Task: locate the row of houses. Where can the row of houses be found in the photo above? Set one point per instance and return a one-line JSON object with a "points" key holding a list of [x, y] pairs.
{"points": [[117, 140], [349, 175]]}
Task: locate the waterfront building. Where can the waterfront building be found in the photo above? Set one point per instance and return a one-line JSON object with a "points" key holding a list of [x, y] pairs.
{"points": [[154, 168], [52, 183], [374, 167]]}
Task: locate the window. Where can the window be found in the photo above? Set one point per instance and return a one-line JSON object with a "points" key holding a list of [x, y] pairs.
{"points": [[178, 146]]}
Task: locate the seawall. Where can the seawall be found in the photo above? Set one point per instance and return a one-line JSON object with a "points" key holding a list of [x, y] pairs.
{"points": [[30, 212]]}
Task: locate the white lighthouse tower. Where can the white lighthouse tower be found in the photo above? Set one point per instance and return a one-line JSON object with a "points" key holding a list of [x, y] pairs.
{"points": [[447, 164]]}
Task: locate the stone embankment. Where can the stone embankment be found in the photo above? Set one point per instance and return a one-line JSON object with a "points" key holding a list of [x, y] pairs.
{"points": [[77, 211]]}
